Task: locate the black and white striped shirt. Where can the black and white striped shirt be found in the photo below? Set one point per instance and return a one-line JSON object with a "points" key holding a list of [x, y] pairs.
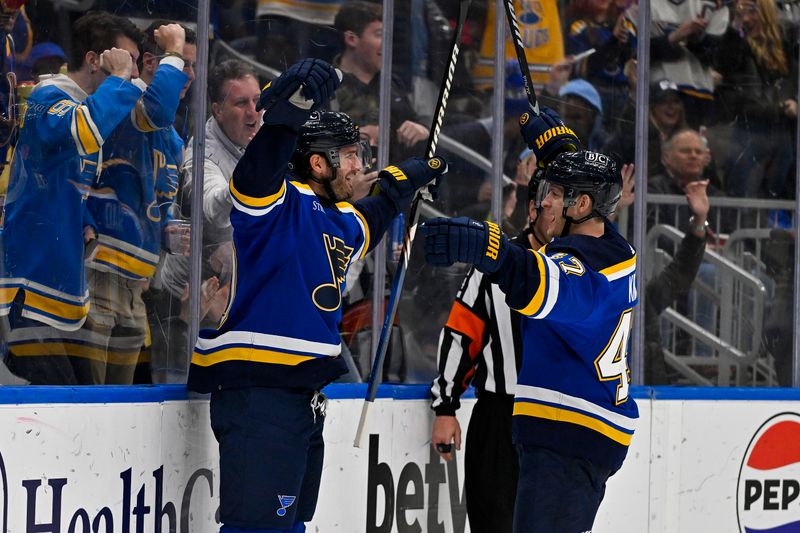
{"points": [[480, 343]]}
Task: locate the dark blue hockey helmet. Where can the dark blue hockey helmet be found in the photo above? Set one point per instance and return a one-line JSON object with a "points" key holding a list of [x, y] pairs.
{"points": [[325, 132], [585, 172]]}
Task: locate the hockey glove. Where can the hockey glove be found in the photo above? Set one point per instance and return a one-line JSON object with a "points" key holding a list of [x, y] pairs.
{"points": [[547, 136], [399, 182], [302, 88], [450, 240]]}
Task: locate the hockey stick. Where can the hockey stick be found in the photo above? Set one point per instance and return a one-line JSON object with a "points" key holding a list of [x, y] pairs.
{"points": [[411, 229], [522, 59]]}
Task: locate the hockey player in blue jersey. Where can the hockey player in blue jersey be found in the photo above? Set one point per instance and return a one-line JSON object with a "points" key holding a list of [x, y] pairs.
{"points": [[294, 235], [573, 415]]}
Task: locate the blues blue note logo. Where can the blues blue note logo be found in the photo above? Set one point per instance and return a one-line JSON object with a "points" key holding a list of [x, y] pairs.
{"points": [[286, 502], [328, 296]]}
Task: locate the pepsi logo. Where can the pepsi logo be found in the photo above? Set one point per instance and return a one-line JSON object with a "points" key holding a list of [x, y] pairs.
{"points": [[768, 489]]}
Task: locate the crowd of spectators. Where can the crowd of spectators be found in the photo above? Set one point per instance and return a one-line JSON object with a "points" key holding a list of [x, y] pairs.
{"points": [[94, 289]]}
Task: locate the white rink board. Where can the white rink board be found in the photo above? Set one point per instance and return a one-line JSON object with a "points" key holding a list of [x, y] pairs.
{"points": [[106, 467]]}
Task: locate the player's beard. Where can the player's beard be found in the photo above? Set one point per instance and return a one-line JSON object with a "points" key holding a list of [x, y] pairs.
{"points": [[335, 187], [341, 187]]}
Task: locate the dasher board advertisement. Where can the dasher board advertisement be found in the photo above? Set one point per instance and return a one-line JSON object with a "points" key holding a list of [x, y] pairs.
{"points": [[150, 465]]}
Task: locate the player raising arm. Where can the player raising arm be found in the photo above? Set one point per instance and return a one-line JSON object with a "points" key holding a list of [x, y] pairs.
{"points": [[573, 416], [294, 235]]}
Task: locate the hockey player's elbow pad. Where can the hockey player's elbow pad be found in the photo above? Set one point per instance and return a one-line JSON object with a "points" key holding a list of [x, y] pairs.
{"points": [[451, 240], [399, 182]]}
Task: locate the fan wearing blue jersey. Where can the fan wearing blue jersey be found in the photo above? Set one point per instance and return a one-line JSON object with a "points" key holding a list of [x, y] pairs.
{"points": [[573, 415], [294, 235], [130, 203], [47, 229]]}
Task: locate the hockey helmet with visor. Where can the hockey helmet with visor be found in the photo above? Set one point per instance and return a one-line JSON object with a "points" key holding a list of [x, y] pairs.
{"points": [[584, 172], [326, 132]]}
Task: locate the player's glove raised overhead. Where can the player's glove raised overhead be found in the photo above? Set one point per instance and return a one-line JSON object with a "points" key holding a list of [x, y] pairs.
{"points": [[463, 240], [547, 135], [399, 182], [302, 88]]}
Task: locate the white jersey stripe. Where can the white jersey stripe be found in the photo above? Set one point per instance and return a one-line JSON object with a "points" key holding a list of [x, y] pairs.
{"points": [[554, 275], [267, 340], [559, 398]]}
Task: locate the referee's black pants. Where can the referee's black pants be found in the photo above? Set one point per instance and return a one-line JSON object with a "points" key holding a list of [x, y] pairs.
{"points": [[491, 465]]}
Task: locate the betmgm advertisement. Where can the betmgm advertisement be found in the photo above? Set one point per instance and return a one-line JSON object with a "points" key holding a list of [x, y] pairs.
{"points": [[693, 466]]}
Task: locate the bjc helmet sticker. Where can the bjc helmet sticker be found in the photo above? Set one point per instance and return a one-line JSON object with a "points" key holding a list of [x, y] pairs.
{"points": [[768, 490]]}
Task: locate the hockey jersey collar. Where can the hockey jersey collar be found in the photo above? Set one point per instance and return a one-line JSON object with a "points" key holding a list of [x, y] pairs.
{"points": [[66, 84], [599, 253]]}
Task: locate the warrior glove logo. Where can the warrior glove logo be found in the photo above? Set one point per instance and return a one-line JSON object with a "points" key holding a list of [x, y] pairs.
{"points": [[768, 490], [524, 118], [551, 134], [434, 163], [493, 248], [286, 502]]}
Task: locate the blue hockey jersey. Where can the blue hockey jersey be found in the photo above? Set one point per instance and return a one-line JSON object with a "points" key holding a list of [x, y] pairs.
{"points": [[54, 165], [139, 179], [572, 392], [291, 254]]}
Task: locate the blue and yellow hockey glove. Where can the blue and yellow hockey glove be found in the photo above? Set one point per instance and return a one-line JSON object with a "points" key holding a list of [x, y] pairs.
{"points": [[547, 135], [463, 240], [400, 181], [302, 88]]}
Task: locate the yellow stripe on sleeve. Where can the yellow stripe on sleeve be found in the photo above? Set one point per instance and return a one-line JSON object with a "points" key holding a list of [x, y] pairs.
{"points": [[7, 295], [255, 355], [538, 298], [613, 269], [140, 119], [91, 144], [571, 417], [252, 201], [366, 230]]}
